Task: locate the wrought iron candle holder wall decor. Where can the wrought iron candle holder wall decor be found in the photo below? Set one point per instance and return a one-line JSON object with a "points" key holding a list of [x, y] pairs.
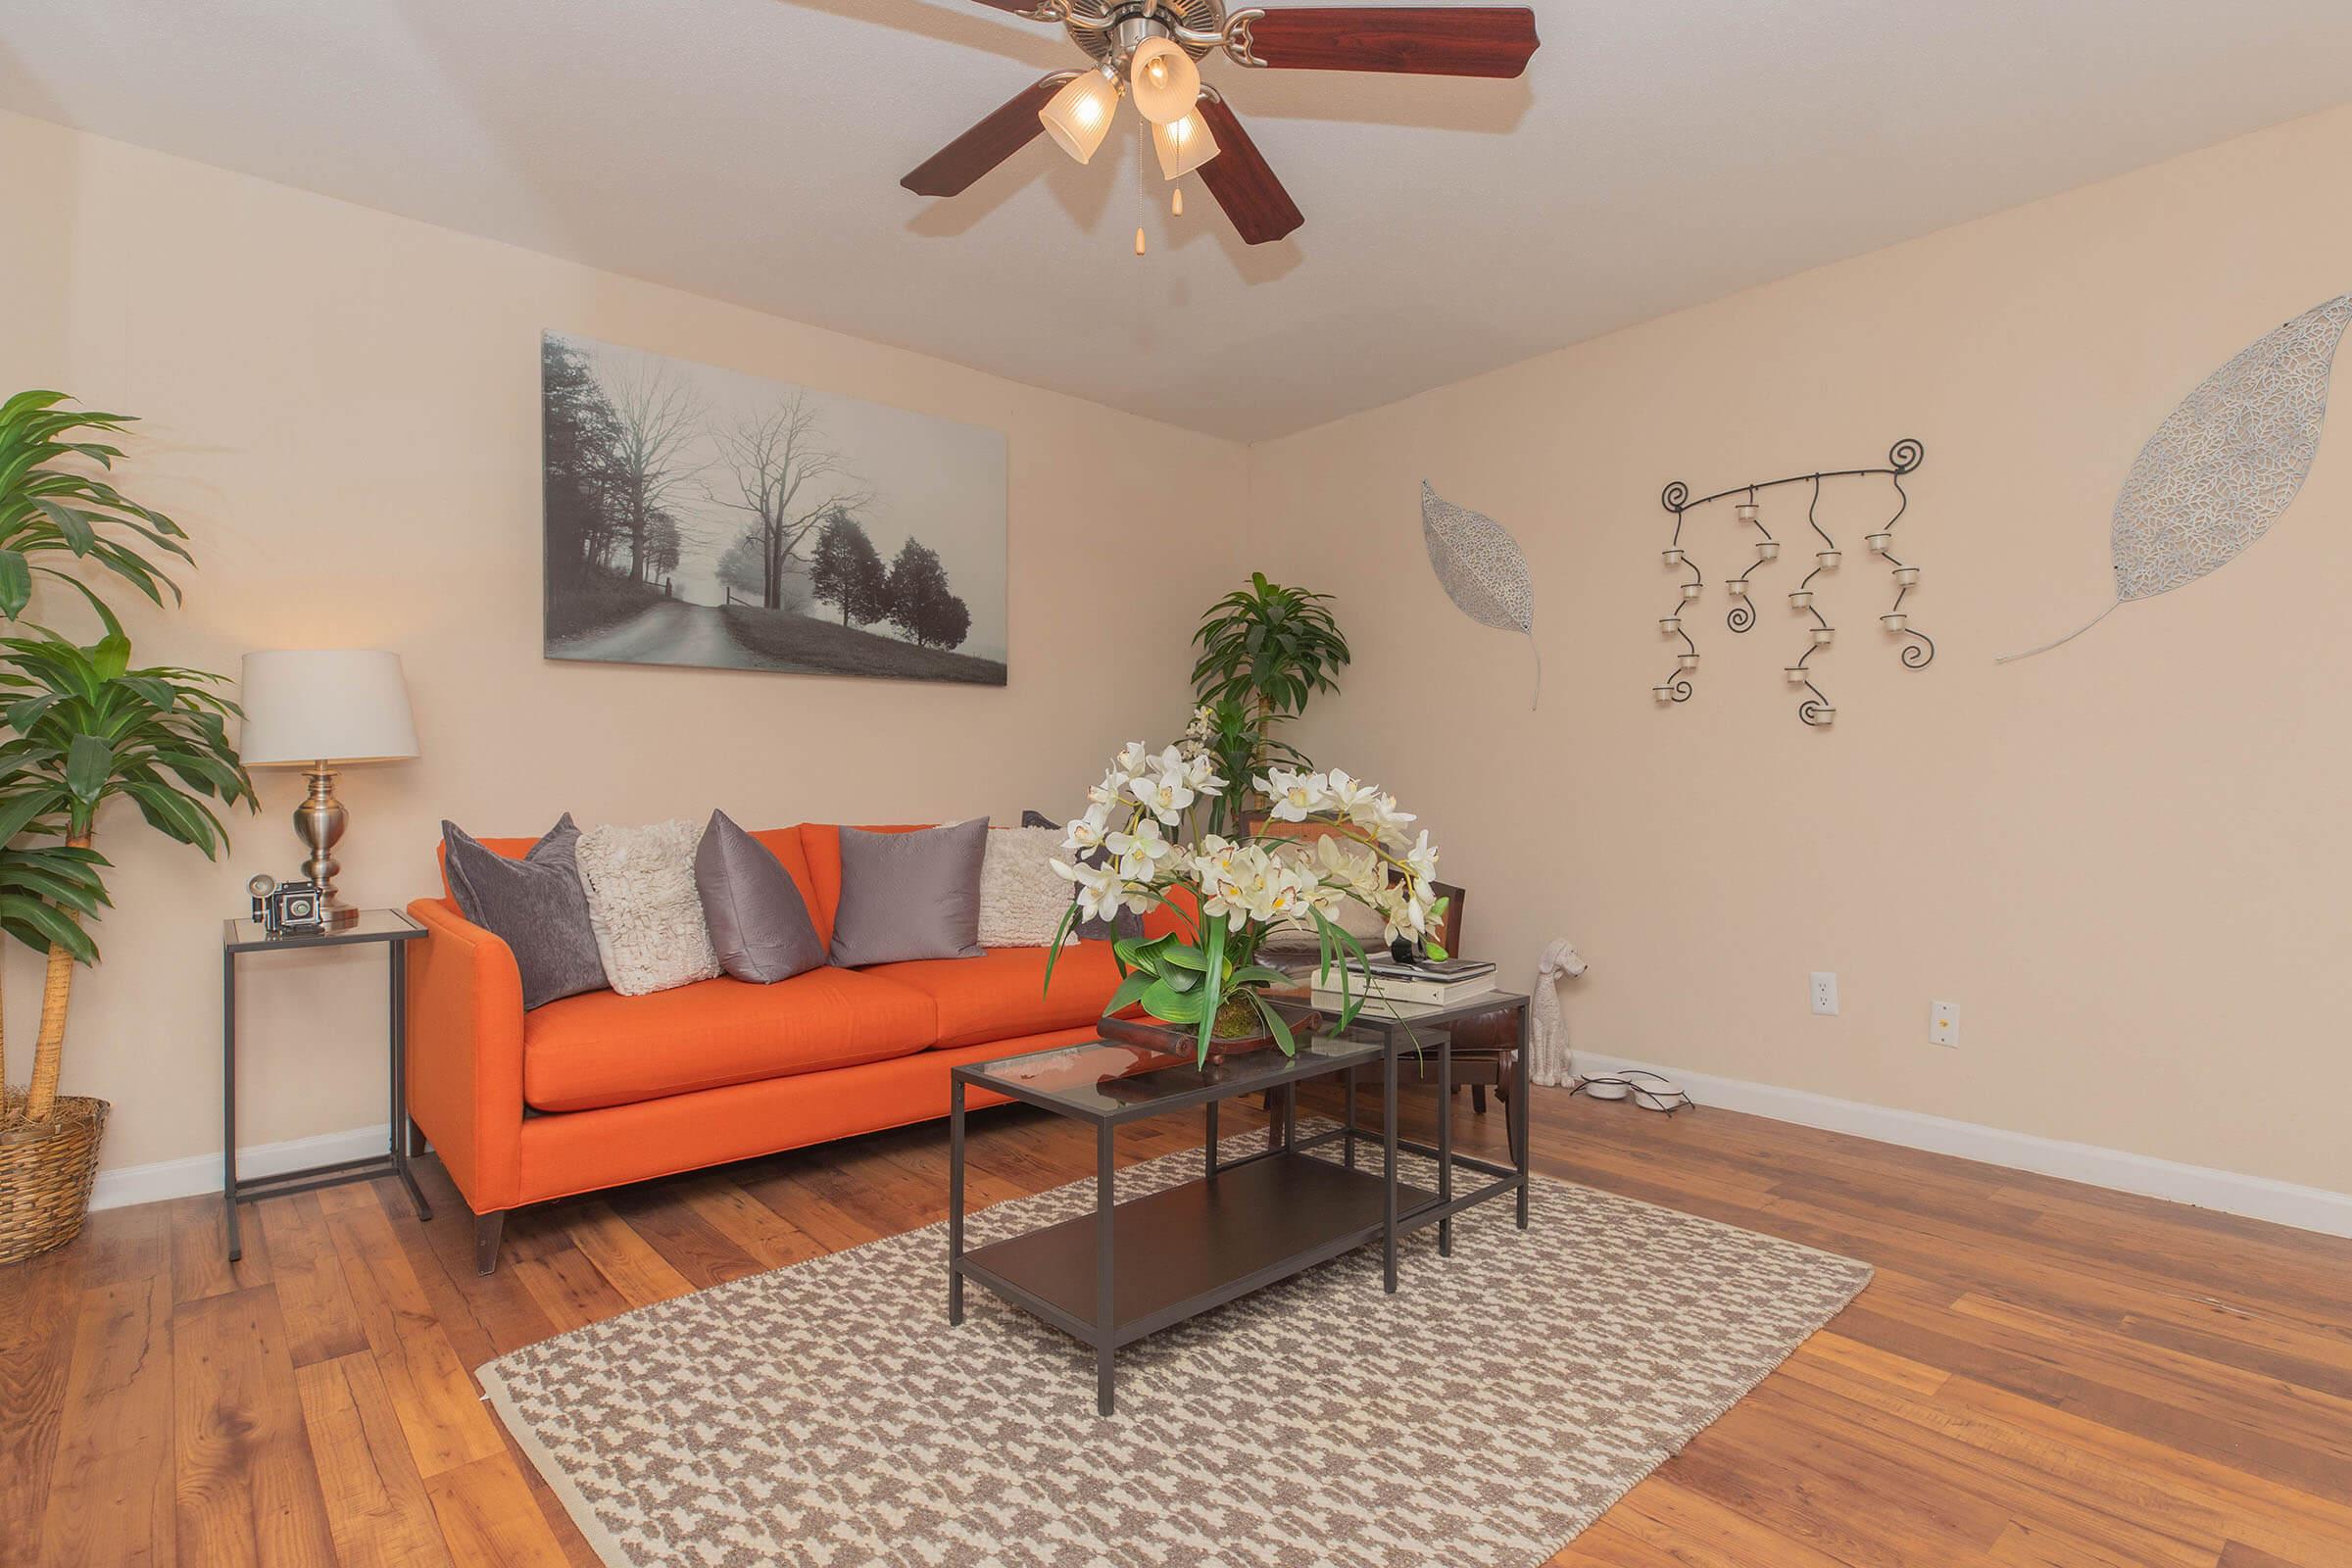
{"points": [[1816, 709]]}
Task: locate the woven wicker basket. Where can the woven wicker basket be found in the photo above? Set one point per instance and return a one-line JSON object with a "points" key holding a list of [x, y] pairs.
{"points": [[45, 1173]]}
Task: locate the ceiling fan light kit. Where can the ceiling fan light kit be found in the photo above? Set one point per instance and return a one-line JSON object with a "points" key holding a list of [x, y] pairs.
{"points": [[1079, 115], [1183, 146], [1152, 49]]}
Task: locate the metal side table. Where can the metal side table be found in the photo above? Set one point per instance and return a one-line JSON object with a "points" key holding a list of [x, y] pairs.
{"points": [[395, 931]]}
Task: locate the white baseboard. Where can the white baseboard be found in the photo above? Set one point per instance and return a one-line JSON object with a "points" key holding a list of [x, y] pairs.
{"points": [[201, 1173], [2311, 1208]]}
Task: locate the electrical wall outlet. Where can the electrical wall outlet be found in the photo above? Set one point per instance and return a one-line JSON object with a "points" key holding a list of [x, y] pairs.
{"points": [[1943, 1023], [1825, 993]]}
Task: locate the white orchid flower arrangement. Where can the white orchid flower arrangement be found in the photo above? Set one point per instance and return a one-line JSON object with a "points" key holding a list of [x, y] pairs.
{"points": [[1134, 849]]}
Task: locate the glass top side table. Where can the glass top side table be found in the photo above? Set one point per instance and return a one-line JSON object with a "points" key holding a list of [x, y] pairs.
{"points": [[395, 931]]}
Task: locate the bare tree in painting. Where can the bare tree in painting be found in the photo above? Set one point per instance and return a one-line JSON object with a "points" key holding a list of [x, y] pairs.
{"points": [[662, 545], [789, 480], [657, 418]]}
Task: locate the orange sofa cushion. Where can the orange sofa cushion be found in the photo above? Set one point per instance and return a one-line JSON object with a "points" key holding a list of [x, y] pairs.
{"points": [[1003, 994], [603, 1048]]}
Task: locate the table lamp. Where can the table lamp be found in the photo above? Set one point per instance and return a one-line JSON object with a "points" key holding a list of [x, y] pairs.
{"points": [[319, 709]]}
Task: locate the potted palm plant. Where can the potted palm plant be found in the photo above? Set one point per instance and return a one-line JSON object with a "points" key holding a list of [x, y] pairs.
{"points": [[83, 727], [1264, 649]]}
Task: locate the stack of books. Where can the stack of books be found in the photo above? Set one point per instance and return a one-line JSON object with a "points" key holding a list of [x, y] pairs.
{"points": [[1384, 985]]}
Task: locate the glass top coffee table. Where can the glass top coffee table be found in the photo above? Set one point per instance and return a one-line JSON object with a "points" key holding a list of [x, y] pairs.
{"points": [[1127, 1271]]}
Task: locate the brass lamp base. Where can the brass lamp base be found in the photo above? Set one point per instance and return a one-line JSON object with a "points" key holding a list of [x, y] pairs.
{"points": [[318, 821]]}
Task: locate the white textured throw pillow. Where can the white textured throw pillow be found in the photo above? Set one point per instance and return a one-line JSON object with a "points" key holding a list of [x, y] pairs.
{"points": [[1022, 899], [644, 907]]}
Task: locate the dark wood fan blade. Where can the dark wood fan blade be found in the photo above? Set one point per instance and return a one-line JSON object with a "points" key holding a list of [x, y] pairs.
{"points": [[1239, 179], [1465, 42], [1016, 7], [1006, 131]]}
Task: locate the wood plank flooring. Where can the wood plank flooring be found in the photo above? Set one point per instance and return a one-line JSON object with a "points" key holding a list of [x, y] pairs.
{"points": [[2043, 1375]]}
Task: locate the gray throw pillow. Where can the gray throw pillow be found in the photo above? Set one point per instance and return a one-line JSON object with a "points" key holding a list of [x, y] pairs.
{"points": [[907, 895], [1127, 924], [535, 905], [759, 925]]}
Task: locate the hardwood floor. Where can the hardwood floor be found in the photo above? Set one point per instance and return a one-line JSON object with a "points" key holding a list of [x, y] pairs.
{"points": [[2041, 1375]]}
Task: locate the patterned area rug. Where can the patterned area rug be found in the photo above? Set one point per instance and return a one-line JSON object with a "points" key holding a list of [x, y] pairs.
{"points": [[826, 1414]]}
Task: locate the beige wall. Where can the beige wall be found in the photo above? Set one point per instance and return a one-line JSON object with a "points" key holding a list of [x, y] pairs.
{"points": [[342, 407], [2125, 860]]}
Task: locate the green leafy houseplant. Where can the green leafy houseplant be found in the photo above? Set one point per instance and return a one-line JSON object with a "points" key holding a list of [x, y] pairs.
{"points": [[1265, 651], [83, 727], [49, 507]]}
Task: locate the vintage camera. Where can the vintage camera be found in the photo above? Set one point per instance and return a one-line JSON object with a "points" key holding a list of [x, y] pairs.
{"points": [[289, 908]]}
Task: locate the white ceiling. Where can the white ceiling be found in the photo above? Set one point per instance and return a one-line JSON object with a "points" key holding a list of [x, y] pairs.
{"points": [[1656, 154]]}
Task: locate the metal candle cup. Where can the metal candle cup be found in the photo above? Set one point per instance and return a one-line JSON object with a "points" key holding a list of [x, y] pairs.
{"points": [[1671, 558], [1879, 542], [1823, 635], [1892, 622], [1907, 576], [1768, 549]]}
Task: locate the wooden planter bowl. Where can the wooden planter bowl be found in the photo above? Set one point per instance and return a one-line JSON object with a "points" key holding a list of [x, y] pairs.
{"points": [[46, 1169]]}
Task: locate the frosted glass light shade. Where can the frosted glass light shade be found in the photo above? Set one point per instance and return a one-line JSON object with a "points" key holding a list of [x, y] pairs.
{"points": [[1183, 146], [1165, 80], [1078, 117], [332, 704]]}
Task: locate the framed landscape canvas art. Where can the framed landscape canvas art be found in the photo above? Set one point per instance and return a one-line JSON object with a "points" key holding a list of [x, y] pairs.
{"points": [[703, 516]]}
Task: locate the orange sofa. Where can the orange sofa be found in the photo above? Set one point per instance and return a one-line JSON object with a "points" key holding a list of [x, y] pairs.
{"points": [[599, 1090]]}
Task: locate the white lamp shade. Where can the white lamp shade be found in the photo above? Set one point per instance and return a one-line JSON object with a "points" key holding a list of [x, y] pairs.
{"points": [[1183, 146], [1078, 117], [331, 704], [1165, 80]]}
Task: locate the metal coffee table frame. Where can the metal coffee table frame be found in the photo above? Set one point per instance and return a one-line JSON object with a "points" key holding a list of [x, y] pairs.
{"points": [[1244, 1223]]}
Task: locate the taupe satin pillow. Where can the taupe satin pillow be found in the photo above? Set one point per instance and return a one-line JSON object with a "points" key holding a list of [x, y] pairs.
{"points": [[536, 906], [759, 925], [907, 895]]}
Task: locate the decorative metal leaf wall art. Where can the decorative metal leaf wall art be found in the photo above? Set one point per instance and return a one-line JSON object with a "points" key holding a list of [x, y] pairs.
{"points": [[1482, 569], [2222, 466]]}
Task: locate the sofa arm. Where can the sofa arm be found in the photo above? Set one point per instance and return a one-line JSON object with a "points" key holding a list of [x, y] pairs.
{"points": [[465, 1052]]}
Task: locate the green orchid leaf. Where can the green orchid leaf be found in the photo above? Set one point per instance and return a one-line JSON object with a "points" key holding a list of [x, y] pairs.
{"points": [[1211, 992], [1062, 934], [1130, 991], [1276, 1025], [1170, 1005]]}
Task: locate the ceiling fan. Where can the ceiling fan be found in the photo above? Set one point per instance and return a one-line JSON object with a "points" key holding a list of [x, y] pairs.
{"points": [[1150, 48]]}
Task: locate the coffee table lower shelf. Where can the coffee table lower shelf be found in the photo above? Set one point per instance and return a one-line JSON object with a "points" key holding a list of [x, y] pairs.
{"points": [[1187, 1249]]}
